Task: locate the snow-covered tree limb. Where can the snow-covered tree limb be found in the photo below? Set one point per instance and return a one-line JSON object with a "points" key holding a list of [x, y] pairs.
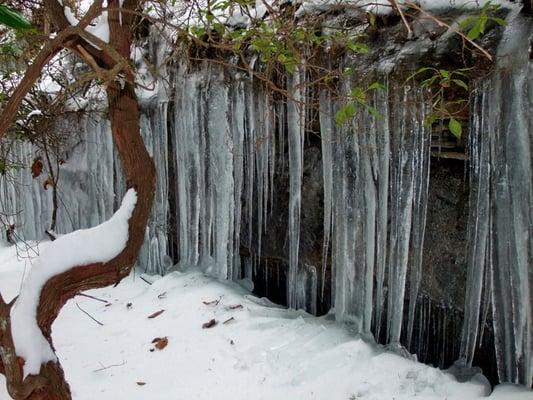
{"points": [[77, 275]]}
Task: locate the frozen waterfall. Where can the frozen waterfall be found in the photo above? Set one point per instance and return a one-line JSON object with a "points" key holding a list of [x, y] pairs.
{"points": [[223, 146]]}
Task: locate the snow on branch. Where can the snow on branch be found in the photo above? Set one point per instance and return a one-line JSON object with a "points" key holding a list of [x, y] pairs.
{"points": [[85, 246]]}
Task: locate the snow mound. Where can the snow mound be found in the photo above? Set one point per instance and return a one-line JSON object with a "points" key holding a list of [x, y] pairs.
{"points": [[86, 246], [253, 352]]}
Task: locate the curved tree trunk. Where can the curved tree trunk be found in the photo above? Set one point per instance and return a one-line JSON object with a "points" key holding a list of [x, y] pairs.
{"points": [[140, 174]]}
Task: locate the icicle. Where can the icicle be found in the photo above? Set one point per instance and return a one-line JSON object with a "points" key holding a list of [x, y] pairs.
{"points": [[504, 136], [237, 125], [189, 189], [382, 138], [220, 173], [295, 129], [420, 201], [478, 231], [326, 131], [408, 133], [250, 160]]}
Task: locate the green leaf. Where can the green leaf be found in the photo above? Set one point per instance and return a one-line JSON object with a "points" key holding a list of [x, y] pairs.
{"points": [[219, 28], [429, 120], [499, 21], [444, 73], [359, 95], [455, 127], [345, 113], [460, 83], [483, 22], [375, 113], [419, 71], [475, 32], [359, 48], [376, 86], [428, 82], [13, 19], [468, 22]]}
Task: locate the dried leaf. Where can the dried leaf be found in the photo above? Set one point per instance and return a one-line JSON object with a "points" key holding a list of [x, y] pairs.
{"points": [[160, 343], [48, 181], [156, 314], [141, 383], [209, 324], [235, 307], [36, 167]]}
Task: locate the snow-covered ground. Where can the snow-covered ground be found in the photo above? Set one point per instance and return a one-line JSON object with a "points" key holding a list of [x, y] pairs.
{"points": [[255, 351]]}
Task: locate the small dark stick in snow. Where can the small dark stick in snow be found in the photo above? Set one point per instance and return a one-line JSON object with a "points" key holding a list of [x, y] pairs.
{"points": [[110, 366], [212, 302], [10, 234], [156, 314], [145, 280], [51, 235], [93, 297], [89, 315], [209, 324]]}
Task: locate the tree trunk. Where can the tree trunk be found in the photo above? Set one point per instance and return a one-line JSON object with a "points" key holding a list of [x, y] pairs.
{"points": [[140, 174]]}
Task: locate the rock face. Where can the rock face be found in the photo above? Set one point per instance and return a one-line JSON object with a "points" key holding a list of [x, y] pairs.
{"points": [[414, 237]]}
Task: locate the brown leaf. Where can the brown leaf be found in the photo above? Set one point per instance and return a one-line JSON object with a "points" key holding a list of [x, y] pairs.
{"points": [[156, 314], [209, 324], [36, 167], [48, 181], [141, 383], [235, 307], [160, 343]]}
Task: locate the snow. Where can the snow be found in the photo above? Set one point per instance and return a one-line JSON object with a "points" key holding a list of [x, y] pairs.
{"points": [[82, 247], [244, 15], [385, 7], [34, 113], [100, 29], [264, 352]]}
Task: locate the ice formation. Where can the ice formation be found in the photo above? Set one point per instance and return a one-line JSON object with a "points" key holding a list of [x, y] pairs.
{"points": [[219, 139]]}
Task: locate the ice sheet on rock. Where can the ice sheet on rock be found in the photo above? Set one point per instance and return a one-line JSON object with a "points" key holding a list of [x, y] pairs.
{"points": [[82, 247]]}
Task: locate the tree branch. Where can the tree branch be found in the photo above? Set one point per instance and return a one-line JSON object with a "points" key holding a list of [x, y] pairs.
{"points": [[30, 77]]}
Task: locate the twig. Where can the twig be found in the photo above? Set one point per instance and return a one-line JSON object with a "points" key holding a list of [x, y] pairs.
{"points": [[145, 280], [402, 15], [109, 366], [89, 315], [93, 297]]}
